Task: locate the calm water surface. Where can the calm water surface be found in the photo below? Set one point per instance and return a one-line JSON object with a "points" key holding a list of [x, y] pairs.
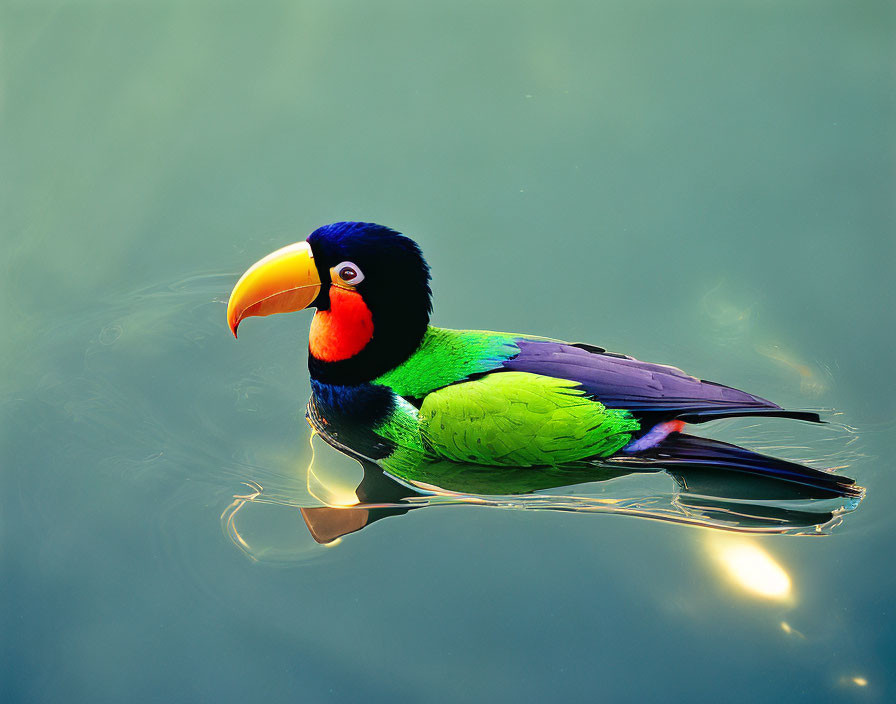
{"points": [[707, 185]]}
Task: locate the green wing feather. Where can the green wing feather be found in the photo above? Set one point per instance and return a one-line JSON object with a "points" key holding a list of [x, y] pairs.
{"points": [[516, 418], [448, 356]]}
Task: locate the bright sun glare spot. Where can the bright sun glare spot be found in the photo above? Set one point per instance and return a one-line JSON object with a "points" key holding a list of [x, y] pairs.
{"points": [[753, 569], [337, 496], [328, 494]]}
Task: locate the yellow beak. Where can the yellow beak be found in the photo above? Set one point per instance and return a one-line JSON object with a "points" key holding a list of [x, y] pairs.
{"points": [[282, 282]]}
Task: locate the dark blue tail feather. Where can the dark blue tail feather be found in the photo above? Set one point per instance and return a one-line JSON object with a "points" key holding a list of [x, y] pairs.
{"points": [[680, 452]]}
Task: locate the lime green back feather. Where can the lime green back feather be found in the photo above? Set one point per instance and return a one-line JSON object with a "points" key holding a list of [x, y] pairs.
{"points": [[516, 418]]}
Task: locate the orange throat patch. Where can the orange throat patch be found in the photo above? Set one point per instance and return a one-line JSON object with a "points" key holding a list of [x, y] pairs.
{"points": [[343, 330]]}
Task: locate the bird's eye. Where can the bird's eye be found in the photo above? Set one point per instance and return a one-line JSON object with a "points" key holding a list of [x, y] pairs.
{"points": [[349, 273]]}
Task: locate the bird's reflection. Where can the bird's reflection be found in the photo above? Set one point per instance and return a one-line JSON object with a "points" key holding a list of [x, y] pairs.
{"points": [[380, 496], [701, 494]]}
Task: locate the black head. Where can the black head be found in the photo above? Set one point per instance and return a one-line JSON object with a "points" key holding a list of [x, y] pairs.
{"points": [[389, 272]]}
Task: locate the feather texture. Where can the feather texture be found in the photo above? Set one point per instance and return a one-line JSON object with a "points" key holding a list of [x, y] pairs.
{"points": [[618, 381], [521, 419], [447, 357]]}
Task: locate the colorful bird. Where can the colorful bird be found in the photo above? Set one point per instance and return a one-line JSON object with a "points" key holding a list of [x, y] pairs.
{"points": [[480, 397]]}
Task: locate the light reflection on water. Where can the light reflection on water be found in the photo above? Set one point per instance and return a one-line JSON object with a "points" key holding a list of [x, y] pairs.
{"points": [[751, 567], [333, 507]]}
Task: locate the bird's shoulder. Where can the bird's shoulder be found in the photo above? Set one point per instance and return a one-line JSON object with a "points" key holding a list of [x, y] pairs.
{"points": [[446, 356]]}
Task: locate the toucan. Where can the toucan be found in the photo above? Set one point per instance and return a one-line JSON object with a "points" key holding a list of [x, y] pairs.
{"points": [[480, 397]]}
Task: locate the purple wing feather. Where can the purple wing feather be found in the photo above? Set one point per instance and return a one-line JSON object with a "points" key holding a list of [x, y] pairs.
{"points": [[618, 381]]}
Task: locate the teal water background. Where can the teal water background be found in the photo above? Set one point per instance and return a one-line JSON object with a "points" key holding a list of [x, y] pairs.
{"points": [[705, 184]]}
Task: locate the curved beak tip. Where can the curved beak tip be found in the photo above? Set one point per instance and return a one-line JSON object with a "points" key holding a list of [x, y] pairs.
{"points": [[282, 282], [233, 318]]}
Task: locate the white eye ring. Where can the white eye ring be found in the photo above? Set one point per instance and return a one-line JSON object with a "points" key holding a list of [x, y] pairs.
{"points": [[349, 272]]}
